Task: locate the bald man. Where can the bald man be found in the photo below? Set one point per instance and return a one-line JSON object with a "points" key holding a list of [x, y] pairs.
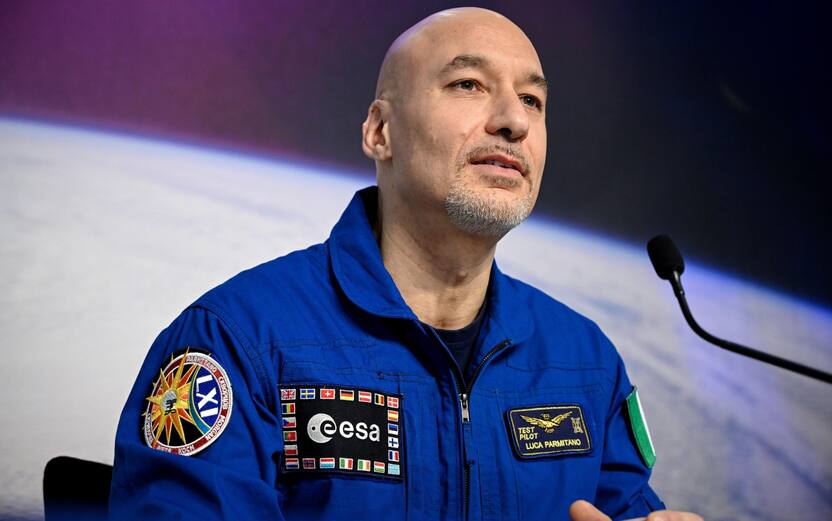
{"points": [[393, 372]]}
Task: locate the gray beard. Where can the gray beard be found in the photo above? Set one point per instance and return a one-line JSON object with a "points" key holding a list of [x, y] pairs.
{"points": [[482, 215]]}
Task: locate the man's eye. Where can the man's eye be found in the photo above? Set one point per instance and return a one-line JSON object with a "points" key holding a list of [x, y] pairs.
{"points": [[532, 101], [466, 84]]}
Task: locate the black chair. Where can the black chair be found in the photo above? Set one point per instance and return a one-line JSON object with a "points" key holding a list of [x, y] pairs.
{"points": [[76, 489]]}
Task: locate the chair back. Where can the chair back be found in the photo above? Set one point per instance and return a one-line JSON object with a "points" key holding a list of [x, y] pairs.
{"points": [[76, 489]]}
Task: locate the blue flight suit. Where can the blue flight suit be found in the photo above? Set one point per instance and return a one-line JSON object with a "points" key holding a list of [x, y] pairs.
{"points": [[331, 316]]}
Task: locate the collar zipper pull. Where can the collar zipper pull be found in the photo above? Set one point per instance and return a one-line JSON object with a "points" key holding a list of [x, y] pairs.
{"points": [[463, 403]]}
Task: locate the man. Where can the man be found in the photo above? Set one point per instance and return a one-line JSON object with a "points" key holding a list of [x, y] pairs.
{"points": [[394, 372]]}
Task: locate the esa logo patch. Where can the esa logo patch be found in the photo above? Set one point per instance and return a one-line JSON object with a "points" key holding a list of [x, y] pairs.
{"points": [[548, 430], [342, 429], [190, 405]]}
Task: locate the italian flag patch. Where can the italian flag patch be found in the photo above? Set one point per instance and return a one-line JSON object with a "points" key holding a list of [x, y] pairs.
{"points": [[641, 432]]}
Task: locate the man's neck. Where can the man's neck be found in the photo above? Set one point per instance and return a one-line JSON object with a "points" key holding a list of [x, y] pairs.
{"points": [[442, 275]]}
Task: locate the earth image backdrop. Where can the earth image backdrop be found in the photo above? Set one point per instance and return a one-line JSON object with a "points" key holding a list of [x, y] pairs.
{"points": [[148, 154]]}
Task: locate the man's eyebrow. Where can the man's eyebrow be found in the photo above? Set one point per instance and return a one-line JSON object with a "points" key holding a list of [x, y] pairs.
{"points": [[476, 61], [539, 81], [465, 61]]}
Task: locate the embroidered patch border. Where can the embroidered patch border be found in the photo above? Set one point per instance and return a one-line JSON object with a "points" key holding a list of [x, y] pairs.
{"points": [[191, 402], [332, 428], [641, 432], [548, 430]]}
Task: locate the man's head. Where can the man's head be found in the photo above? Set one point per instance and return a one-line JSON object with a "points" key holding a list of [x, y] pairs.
{"points": [[458, 127]]}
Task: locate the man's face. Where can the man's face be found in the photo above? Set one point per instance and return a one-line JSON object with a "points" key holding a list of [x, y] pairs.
{"points": [[468, 128]]}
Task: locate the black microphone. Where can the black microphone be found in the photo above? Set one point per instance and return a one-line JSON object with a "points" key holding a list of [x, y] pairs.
{"points": [[669, 265], [667, 261]]}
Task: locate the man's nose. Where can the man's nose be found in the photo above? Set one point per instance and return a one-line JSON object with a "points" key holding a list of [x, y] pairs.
{"points": [[509, 117]]}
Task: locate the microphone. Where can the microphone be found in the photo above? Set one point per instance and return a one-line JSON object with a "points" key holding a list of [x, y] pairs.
{"points": [[669, 265], [667, 261]]}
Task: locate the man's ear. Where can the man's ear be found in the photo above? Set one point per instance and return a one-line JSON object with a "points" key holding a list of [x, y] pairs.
{"points": [[375, 133]]}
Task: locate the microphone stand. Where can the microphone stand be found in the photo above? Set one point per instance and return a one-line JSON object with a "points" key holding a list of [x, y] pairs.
{"points": [[811, 372]]}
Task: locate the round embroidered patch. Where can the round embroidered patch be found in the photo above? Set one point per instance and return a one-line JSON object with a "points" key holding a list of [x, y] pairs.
{"points": [[190, 405]]}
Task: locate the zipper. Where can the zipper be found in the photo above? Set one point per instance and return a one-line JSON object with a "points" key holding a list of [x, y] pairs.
{"points": [[466, 487], [464, 404], [465, 396]]}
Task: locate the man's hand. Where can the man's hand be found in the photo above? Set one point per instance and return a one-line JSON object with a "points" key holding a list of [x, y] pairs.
{"points": [[584, 511]]}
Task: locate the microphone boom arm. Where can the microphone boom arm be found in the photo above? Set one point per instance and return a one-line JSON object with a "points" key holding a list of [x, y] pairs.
{"points": [[741, 349]]}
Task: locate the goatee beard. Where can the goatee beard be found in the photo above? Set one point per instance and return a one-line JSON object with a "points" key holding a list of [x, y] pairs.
{"points": [[480, 214]]}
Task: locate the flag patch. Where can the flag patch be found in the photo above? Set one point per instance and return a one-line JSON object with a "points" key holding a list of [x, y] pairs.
{"points": [[641, 432], [549, 430], [342, 429]]}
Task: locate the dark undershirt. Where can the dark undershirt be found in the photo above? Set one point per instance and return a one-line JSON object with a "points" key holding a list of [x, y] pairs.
{"points": [[461, 342]]}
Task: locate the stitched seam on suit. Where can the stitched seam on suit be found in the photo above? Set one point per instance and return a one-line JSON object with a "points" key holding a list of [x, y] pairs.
{"points": [[252, 354]]}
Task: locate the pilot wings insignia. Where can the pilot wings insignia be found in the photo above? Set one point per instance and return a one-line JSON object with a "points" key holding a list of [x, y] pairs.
{"points": [[548, 425]]}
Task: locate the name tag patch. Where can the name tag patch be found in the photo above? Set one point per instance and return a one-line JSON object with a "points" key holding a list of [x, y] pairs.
{"points": [[548, 430], [342, 429]]}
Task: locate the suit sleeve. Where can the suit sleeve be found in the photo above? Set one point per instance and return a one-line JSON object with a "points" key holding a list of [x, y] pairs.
{"points": [[234, 476], [623, 490]]}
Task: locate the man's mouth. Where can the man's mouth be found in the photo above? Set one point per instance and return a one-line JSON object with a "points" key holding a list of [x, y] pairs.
{"points": [[500, 161]]}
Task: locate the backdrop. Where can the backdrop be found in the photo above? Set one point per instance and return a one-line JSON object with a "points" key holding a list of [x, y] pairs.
{"points": [[150, 151]]}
